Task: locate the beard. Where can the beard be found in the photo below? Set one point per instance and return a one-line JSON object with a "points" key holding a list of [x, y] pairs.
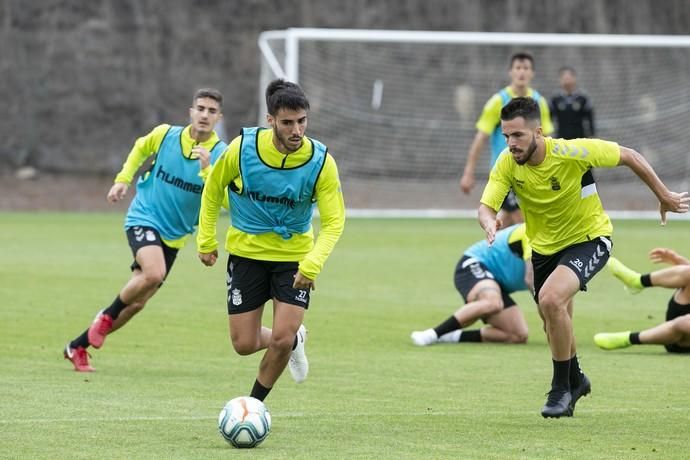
{"points": [[285, 141], [530, 151]]}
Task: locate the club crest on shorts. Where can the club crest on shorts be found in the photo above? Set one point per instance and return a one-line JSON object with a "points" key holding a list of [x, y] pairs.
{"points": [[236, 297], [555, 185]]}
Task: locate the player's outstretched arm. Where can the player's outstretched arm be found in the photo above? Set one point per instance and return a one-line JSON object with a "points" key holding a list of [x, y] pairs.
{"points": [[668, 201], [677, 202]]}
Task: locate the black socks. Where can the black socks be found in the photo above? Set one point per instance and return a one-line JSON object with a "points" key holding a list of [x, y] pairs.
{"points": [[113, 311], [561, 374], [575, 372], [449, 325], [259, 391], [115, 308], [474, 335], [81, 341]]}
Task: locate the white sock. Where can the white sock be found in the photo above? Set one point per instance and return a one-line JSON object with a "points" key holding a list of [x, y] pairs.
{"points": [[451, 337]]}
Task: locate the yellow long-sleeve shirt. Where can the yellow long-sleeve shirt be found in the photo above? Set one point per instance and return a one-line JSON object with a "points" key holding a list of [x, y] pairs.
{"points": [[148, 145], [271, 246]]}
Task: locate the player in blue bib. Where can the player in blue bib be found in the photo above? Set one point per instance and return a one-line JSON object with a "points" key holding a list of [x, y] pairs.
{"points": [[274, 176], [162, 215], [275, 200], [485, 277]]}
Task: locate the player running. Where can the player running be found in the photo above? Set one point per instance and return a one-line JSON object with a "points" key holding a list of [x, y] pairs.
{"points": [[162, 215], [567, 227]]}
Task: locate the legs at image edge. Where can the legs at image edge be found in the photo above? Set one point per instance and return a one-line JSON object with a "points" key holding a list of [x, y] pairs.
{"points": [[143, 284], [675, 277], [284, 340], [674, 332]]}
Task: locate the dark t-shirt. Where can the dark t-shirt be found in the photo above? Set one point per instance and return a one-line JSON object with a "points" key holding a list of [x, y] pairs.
{"points": [[573, 114]]}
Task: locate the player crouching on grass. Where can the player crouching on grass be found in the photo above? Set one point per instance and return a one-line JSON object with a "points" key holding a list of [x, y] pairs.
{"points": [[163, 213], [485, 277], [674, 334], [275, 176]]}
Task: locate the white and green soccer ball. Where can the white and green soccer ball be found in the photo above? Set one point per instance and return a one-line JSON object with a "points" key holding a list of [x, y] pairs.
{"points": [[244, 422]]}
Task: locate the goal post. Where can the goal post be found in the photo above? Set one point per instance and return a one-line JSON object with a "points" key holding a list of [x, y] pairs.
{"points": [[398, 108]]}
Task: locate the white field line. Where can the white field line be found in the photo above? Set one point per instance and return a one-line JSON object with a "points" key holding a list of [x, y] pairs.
{"points": [[472, 213], [634, 410]]}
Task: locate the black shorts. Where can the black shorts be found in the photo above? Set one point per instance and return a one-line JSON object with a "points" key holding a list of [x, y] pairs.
{"points": [[673, 311], [510, 204], [584, 259], [139, 237], [252, 282], [468, 272]]}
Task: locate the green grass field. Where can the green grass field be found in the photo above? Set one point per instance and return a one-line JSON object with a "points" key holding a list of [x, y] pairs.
{"points": [[162, 380]]}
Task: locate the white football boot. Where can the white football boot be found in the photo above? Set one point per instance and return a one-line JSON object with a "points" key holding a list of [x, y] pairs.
{"points": [[424, 338], [298, 364]]}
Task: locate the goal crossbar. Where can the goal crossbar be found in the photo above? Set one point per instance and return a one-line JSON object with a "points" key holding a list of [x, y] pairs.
{"points": [[293, 36], [637, 105]]}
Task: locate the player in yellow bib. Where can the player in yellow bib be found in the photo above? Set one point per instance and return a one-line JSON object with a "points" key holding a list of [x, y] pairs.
{"points": [[567, 227], [521, 72]]}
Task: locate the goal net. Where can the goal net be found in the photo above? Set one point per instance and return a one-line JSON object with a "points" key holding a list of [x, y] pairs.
{"points": [[398, 109]]}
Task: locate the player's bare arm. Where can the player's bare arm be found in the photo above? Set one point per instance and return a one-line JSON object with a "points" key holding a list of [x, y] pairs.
{"points": [[467, 179], [668, 201], [489, 222]]}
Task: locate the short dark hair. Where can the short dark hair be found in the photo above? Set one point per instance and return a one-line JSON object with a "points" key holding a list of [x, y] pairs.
{"points": [[521, 56], [281, 94], [524, 107], [211, 93], [566, 68]]}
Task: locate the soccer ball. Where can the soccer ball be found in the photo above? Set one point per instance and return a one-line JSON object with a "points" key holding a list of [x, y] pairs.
{"points": [[244, 422]]}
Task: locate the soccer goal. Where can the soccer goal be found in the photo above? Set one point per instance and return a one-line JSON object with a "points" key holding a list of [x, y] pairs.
{"points": [[398, 108]]}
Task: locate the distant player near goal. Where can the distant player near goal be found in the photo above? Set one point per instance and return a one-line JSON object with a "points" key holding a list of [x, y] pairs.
{"points": [[674, 333], [567, 227], [521, 71], [485, 277]]}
